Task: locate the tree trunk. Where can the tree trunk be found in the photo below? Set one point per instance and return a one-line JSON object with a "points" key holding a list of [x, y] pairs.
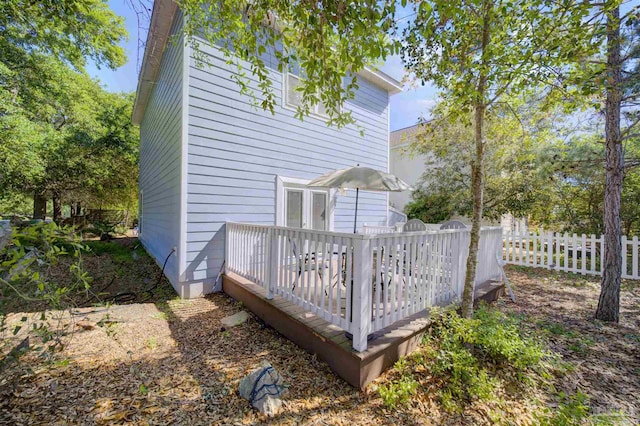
{"points": [[477, 185], [39, 206], [477, 176], [57, 208], [72, 210], [78, 209], [609, 302]]}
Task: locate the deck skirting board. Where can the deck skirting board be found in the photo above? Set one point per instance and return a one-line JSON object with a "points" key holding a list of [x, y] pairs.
{"points": [[327, 341]]}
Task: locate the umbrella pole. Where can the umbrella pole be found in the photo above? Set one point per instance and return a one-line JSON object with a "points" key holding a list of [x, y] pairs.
{"points": [[355, 219]]}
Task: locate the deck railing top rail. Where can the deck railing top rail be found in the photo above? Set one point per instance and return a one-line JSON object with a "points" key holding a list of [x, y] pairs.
{"points": [[365, 236]]}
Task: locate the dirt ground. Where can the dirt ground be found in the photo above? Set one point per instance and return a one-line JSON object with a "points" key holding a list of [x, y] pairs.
{"points": [[121, 271], [561, 306], [170, 362]]}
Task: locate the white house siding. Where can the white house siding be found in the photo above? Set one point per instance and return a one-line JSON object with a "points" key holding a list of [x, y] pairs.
{"points": [[236, 151], [160, 156]]}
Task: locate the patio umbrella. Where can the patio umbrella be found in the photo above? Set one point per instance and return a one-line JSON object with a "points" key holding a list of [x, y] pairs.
{"points": [[358, 178]]}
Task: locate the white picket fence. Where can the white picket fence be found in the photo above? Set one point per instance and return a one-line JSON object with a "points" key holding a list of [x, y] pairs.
{"points": [[359, 282], [580, 254]]}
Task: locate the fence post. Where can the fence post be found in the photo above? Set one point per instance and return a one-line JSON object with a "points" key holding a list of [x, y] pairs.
{"points": [[551, 244], [271, 266], [455, 263], [602, 250], [623, 243], [361, 308], [227, 245], [634, 258], [583, 255], [592, 253], [557, 236]]}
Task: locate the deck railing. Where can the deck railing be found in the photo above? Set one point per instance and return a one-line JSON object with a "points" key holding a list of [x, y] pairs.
{"points": [[378, 229], [581, 254], [383, 229], [361, 283]]}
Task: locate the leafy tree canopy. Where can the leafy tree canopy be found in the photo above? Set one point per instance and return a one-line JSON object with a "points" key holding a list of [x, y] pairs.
{"points": [[60, 131], [72, 30], [514, 182]]}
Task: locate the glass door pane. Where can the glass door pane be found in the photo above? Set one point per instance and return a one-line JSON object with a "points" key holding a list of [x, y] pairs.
{"points": [[293, 214], [319, 211]]}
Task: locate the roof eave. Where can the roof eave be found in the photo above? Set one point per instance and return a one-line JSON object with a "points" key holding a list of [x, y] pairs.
{"points": [[381, 79], [159, 29]]}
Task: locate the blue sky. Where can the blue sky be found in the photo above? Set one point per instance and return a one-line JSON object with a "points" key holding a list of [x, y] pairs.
{"points": [[406, 107]]}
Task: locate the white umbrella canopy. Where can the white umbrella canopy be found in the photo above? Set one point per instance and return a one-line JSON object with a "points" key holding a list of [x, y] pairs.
{"points": [[364, 178], [358, 178]]}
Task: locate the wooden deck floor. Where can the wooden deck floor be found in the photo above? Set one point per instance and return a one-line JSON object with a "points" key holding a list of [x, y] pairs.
{"points": [[330, 342]]}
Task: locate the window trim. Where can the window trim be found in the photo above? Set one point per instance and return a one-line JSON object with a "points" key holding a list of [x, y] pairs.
{"points": [[290, 107], [283, 183]]}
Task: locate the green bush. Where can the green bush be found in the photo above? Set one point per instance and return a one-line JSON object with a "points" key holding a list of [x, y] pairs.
{"points": [[470, 359], [471, 355], [398, 393], [27, 273]]}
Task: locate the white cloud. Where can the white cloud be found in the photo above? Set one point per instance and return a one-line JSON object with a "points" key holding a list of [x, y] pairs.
{"points": [[427, 103], [411, 105]]}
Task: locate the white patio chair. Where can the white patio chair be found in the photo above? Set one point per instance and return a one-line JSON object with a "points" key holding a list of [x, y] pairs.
{"points": [[414, 225], [306, 262], [453, 224]]}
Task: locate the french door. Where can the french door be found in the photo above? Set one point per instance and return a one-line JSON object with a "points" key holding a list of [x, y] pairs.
{"points": [[306, 208]]}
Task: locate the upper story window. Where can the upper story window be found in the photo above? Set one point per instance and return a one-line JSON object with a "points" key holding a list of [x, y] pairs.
{"points": [[293, 98]]}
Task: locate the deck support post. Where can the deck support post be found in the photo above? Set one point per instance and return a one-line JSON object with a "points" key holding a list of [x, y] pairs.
{"points": [[361, 309], [271, 274]]}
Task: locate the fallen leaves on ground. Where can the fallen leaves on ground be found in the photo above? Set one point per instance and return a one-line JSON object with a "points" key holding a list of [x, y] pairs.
{"points": [[173, 363], [606, 356]]}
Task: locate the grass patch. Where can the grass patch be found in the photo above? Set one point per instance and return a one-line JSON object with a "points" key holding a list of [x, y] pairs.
{"points": [[574, 409], [161, 316], [151, 343], [581, 345], [118, 252], [123, 253], [556, 329], [575, 341]]}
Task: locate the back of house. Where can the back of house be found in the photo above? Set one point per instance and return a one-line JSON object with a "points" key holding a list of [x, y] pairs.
{"points": [[209, 156]]}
